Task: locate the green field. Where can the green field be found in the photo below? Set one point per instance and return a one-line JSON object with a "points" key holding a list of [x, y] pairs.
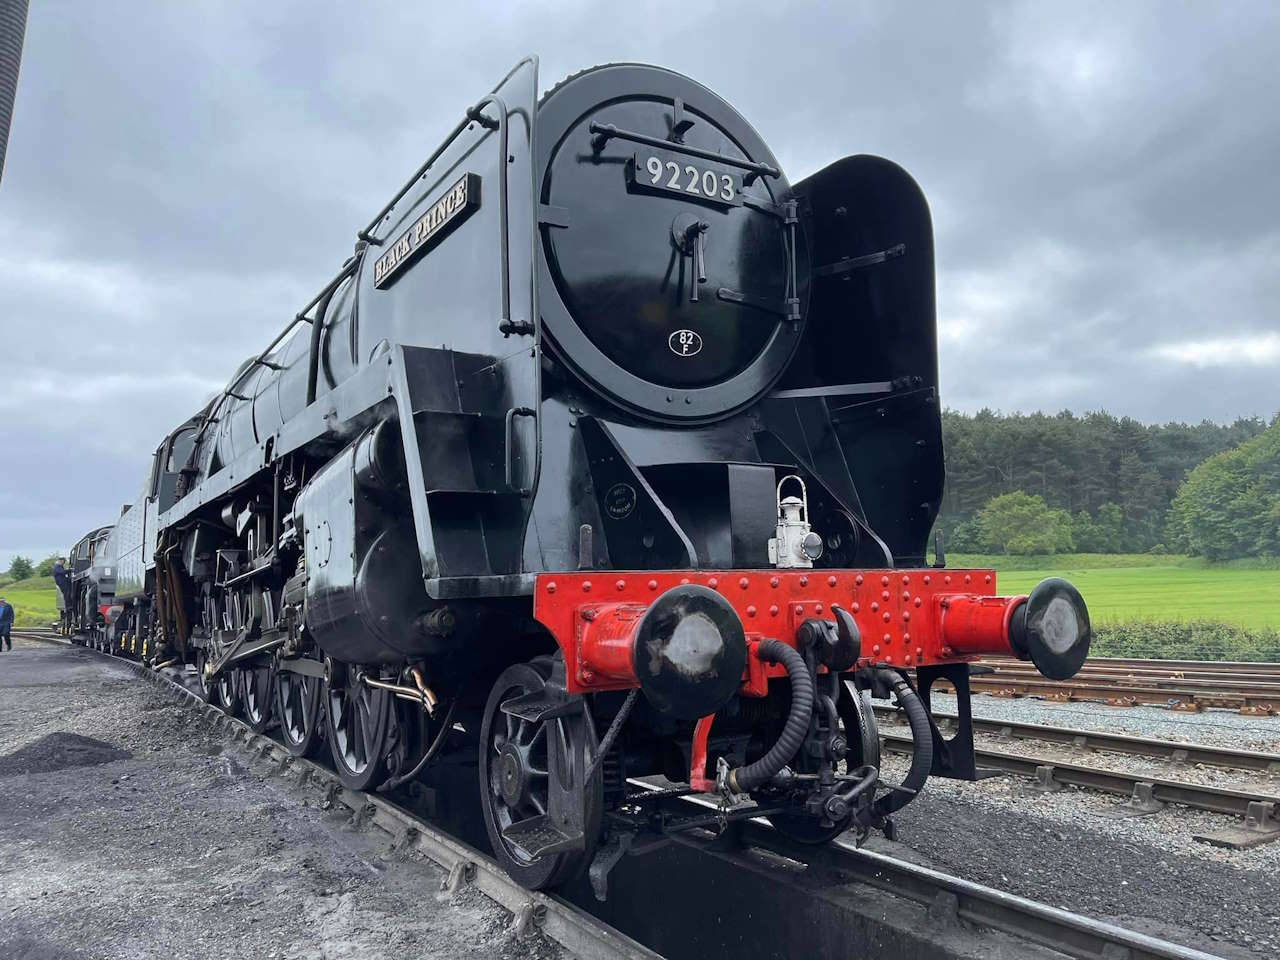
{"points": [[1128, 587], [34, 601]]}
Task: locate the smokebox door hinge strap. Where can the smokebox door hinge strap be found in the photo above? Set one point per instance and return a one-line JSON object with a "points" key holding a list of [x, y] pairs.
{"points": [[849, 264], [549, 215], [680, 124]]}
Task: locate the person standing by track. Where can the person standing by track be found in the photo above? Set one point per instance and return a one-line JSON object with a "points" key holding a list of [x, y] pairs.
{"points": [[63, 582], [6, 624]]}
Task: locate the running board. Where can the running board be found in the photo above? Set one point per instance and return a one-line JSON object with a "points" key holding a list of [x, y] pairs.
{"points": [[539, 837], [541, 705]]}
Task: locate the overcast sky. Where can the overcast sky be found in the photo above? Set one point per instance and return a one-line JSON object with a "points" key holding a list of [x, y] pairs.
{"points": [[181, 177]]}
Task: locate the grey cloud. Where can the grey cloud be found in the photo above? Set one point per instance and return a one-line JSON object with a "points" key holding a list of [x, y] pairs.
{"points": [[181, 177]]}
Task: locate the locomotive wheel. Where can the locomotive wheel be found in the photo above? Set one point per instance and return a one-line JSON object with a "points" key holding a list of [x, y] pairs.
{"points": [[297, 707], [356, 722], [515, 778], [202, 683], [225, 692], [257, 687], [409, 737], [809, 830]]}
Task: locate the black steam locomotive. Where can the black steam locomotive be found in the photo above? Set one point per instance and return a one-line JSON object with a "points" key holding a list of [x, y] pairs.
{"points": [[610, 455]]}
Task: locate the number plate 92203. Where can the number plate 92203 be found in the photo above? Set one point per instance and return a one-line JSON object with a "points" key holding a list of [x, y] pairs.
{"points": [[665, 171]]}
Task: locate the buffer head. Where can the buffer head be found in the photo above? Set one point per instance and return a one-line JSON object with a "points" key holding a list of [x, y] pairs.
{"points": [[690, 651]]}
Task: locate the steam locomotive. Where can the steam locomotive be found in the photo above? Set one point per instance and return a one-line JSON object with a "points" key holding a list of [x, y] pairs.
{"points": [[609, 456]]}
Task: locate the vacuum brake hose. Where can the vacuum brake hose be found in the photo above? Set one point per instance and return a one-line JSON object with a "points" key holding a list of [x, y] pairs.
{"points": [[922, 746], [753, 775]]}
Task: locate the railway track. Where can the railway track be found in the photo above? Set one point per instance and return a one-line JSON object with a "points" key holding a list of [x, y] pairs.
{"points": [[1053, 771], [1205, 669], [1174, 751], [820, 893], [1125, 690], [1260, 810], [1250, 687]]}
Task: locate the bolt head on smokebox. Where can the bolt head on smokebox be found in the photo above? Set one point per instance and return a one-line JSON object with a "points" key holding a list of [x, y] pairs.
{"points": [[690, 651], [1052, 629]]}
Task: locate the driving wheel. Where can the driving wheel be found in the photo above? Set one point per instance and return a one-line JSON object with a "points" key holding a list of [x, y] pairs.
{"points": [[297, 707], [356, 721], [257, 689]]}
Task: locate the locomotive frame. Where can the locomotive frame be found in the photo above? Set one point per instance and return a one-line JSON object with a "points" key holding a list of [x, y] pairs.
{"points": [[465, 501]]}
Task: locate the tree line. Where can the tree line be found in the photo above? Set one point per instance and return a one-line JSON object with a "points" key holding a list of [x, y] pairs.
{"points": [[21, 568], [1047, 483]]}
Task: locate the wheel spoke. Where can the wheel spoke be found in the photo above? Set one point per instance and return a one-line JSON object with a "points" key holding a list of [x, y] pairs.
{"points": [[356, 719]]}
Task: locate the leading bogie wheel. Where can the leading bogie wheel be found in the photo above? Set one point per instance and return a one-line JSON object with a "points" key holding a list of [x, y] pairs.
{"points": [[357, 719], [297, 707], [515, 771]]}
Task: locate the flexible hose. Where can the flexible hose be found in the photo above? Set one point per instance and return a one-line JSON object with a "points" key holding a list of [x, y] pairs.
{"points": [[753, 775], [445, 726], [922, 746]]}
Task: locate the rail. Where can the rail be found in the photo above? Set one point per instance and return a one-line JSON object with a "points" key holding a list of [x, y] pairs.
{"points": [[1174, 750], [1261, 699], [1194, 795]]}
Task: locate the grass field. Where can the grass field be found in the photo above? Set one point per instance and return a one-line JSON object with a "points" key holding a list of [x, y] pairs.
{"points": [[34, 601], [1126, 587]]}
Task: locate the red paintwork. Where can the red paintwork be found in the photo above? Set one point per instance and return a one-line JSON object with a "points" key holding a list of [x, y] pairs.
{"points": [[698, 779], [907, 618]]}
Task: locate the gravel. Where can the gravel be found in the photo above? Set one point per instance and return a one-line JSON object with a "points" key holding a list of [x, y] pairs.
{"points": [[127, 832], [1146, 873]]}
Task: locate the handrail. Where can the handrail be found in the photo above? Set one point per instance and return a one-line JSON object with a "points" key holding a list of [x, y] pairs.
{"points": [[474, 114], [504, 259], [365, 239], [347, 270], [604, 131], [367, 233]]}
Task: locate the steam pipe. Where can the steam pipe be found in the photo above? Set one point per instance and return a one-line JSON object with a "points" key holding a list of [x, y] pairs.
{"points": [[313, 353], [424, 696]]}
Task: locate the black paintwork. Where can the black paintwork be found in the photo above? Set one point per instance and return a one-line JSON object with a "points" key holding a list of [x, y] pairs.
{"points": [[505, 450]]}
